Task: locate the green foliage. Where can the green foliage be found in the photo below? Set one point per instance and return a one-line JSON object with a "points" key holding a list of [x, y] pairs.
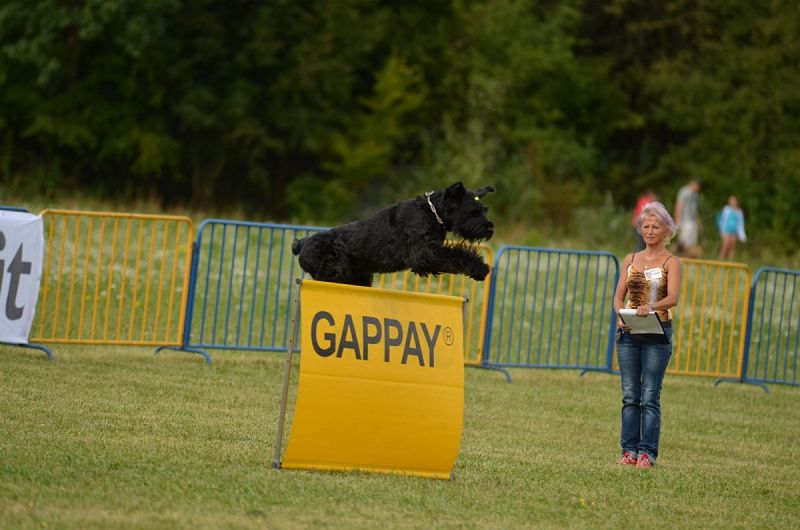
{"points": [[322, 111], [735, 107], [603, 226], [363, 154], [713, 83]]}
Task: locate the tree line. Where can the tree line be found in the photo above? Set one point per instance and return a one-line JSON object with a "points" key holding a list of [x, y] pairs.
{"points": [[323, 109]]}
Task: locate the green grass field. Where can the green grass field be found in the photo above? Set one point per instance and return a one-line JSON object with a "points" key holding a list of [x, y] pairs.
{"points": [[105, 437]]}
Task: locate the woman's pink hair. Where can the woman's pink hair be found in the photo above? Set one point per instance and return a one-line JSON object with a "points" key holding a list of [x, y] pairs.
{"points": [[657, 210]]}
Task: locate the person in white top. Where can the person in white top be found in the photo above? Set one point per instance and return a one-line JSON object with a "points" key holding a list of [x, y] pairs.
{"points": [[688, 219]]}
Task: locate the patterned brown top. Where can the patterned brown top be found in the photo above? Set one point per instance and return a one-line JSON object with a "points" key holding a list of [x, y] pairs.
{"points": [[642, 291]]}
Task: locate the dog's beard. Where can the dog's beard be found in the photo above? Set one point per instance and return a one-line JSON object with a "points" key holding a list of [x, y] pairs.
{"points": [[475, 229]]}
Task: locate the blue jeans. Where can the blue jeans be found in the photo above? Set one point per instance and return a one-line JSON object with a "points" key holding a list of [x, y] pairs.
{"points": [[642, 369]]}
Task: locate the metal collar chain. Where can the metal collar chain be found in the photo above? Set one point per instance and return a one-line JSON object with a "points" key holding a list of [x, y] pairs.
{"points": [[428, 196]]}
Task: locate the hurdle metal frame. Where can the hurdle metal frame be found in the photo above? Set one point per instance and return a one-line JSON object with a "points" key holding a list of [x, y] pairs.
{"points": [[602, 317], [711, 319], [147, 264], [254, 234], [788, 329]]}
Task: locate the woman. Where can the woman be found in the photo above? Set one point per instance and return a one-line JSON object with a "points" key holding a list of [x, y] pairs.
{"points": [[651, 279], [731, 226]]}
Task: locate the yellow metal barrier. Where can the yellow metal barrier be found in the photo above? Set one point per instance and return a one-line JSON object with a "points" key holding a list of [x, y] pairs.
{"points": [[113, 278], [453, 285], [711, 318]]}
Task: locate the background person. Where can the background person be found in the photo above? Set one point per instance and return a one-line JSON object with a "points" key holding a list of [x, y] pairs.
{"points": [[731, 226], [651, 280], [688, 219], [647, 197]]}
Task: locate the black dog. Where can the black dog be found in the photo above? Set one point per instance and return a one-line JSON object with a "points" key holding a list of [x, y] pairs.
{"points": [[406, 235]]}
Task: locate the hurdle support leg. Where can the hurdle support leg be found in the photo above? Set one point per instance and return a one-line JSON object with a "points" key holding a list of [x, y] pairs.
{"points": [[39, 347], [276, 463], [506, 373], [584, 371], [205, 354], [743, 381]]}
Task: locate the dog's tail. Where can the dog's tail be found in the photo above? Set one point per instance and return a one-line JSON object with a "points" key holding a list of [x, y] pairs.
{"points": [[297, 246]]}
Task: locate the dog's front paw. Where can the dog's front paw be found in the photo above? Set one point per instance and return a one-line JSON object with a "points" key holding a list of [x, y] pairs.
{"points": [[479, 272]]}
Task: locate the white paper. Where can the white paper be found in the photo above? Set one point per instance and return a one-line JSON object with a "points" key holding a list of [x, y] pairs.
{"points": [[646, 324]]}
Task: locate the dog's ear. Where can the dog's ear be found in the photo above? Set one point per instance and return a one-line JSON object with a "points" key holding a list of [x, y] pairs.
{"points": [[455, 192], [483, 191]]}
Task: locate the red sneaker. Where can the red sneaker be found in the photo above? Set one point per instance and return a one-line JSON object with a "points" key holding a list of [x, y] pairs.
{"points": [[644, 461], [626, 459]]}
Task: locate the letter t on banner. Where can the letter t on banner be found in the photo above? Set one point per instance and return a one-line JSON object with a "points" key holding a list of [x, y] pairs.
{"points": [[21, 253], [381, 385]]}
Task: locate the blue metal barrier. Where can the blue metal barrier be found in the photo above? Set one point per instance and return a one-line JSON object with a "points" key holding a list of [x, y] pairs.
{"points": [[240, 286], [551, 308], [772, 341]]}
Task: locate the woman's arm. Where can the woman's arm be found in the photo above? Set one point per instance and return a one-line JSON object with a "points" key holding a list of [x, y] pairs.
{"points": [[622, 289]]}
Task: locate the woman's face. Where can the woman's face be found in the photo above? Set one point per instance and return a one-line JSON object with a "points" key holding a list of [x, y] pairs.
{"points": [[653, 231]]}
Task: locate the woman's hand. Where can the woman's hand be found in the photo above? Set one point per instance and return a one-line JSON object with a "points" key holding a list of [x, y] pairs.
{"points": [[644, 310]]}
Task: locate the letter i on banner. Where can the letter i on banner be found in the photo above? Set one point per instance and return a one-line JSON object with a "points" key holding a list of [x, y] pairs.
{"points": [[381, 385], [21, 252]]}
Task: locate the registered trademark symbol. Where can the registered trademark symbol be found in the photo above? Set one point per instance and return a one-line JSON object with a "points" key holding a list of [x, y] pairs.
{"points": [[448, 336]]}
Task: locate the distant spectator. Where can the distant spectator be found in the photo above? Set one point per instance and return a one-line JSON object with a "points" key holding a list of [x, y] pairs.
{"points": [[647, 197], [688, 219], [730, 222]]}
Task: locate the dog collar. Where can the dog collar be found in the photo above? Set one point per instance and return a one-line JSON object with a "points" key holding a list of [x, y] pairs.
{"points": [[428, 196]]}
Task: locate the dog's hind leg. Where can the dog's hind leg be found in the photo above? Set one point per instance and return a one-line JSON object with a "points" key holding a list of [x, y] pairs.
{"points": [[336, 269], [323, 257], [331, 270]]}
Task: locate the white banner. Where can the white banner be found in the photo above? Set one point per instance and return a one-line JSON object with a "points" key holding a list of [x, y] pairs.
{"points": [[21, 253]]}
